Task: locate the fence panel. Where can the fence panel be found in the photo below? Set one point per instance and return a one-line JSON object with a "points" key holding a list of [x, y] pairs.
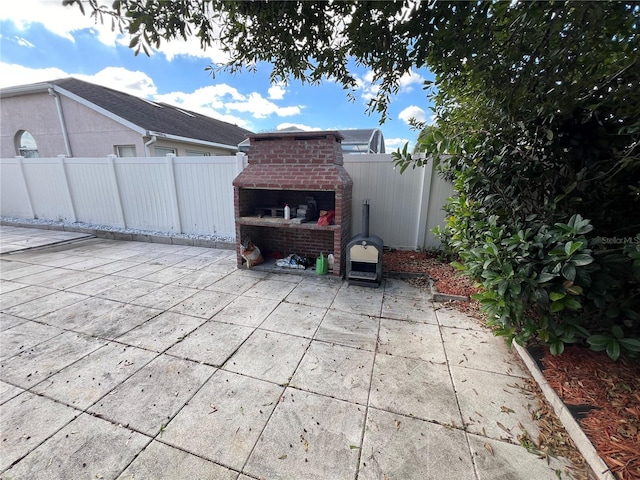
{"points": [[92, 185], [404, 207], [48, 189], [14, 196], [205, 194]]}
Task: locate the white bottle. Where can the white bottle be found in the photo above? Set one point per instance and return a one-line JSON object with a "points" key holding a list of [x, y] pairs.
{"points": [[287, 212]]}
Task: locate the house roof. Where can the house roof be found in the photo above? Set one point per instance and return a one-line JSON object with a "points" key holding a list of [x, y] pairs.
{"points": [[153, 118]]}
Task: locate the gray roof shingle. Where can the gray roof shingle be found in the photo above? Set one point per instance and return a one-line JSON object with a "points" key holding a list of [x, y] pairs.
{"points": [[156, 117]]}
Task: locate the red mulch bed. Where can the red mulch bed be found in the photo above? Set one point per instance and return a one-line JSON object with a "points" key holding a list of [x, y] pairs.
{"points": [[582, 377], [610, 390]]}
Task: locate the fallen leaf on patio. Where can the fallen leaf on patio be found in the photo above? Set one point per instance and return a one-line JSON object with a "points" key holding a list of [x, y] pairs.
{"points": [[397, 422], [282, 457], [504, 409], [504, 428], [489, 448], [354, 447], [306, 446]]}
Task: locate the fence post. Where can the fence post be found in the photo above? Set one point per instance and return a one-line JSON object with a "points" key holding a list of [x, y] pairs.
{"points": [[240, 159], [61, 162], [423, 203], [116, 191], [173, 191], [26, 186]]}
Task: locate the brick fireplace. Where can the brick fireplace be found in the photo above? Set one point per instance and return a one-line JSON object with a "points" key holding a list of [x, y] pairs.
{"points": [[292, 168]]}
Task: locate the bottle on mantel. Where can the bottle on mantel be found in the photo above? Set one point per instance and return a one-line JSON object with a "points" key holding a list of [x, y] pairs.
{"points": [[287, 212]]}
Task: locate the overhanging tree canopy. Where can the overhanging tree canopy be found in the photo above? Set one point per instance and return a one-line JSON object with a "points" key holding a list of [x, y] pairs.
{"points": [[538, 111]]}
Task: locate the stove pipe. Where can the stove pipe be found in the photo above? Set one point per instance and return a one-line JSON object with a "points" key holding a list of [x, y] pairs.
{"points": [[365, 218]]}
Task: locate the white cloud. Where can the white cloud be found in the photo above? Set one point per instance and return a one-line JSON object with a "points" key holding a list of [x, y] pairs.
{"points": [[366, 86], [13, 75], [409, 80], [300, 126], [276, 92], [132, 82], [260, 107], [23, 42], [392, 144], [412, 112], [65, 21]]}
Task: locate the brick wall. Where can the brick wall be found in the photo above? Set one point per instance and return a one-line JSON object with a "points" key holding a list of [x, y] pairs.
{"points": [[287, 168]]}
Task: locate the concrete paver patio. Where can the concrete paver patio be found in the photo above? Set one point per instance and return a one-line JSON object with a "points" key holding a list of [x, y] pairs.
{"points": [[140, 360]]}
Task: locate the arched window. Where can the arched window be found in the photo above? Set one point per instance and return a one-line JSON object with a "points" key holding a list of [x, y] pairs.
{"points": [[26, 145]]}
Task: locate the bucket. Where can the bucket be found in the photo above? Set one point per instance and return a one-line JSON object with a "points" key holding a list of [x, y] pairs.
{"points": [[321, 265]]}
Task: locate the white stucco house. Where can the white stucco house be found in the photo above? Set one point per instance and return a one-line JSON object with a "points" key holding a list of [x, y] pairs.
{"points": [[75, 118]]}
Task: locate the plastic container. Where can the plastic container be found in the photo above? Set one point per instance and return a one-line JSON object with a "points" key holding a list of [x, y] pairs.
{"points": [[287, 212], [321, 265]]}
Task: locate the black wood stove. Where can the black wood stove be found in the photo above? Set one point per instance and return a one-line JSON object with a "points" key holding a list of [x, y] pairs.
{"points": [[364, 255]]}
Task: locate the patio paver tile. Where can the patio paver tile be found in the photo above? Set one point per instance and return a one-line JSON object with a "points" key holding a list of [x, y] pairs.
{"points": [[28, 420], [59, 278], [312, 435], [448, 317], [506, 458], [212, 343], [246, 311], [199, 279], [356, 299], [204, 304], [167, 275], [129, 291], [414, 388], [158, 460], [294, 319], [270, 289], [7, 392], [397, 287], [161, 332], [83, 383], [349, 329], [480, 350], [99, 285], [407, 308], [47, 358], [490, 401], [27, 272], [44, 305], [149, 399], [316, 292], [165, 297], [396, 446], [88, 447], [411, 340], [9, 321], [336, 371], [235, 282], [24, 336], [224, 419], [7, 286], [269, 356], [23, 294]]}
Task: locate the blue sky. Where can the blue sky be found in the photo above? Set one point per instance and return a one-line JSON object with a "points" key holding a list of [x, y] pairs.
{"points": [[41, 40]]}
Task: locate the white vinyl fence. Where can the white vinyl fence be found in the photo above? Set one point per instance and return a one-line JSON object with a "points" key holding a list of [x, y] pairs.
{"points": [[194, 195]]}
